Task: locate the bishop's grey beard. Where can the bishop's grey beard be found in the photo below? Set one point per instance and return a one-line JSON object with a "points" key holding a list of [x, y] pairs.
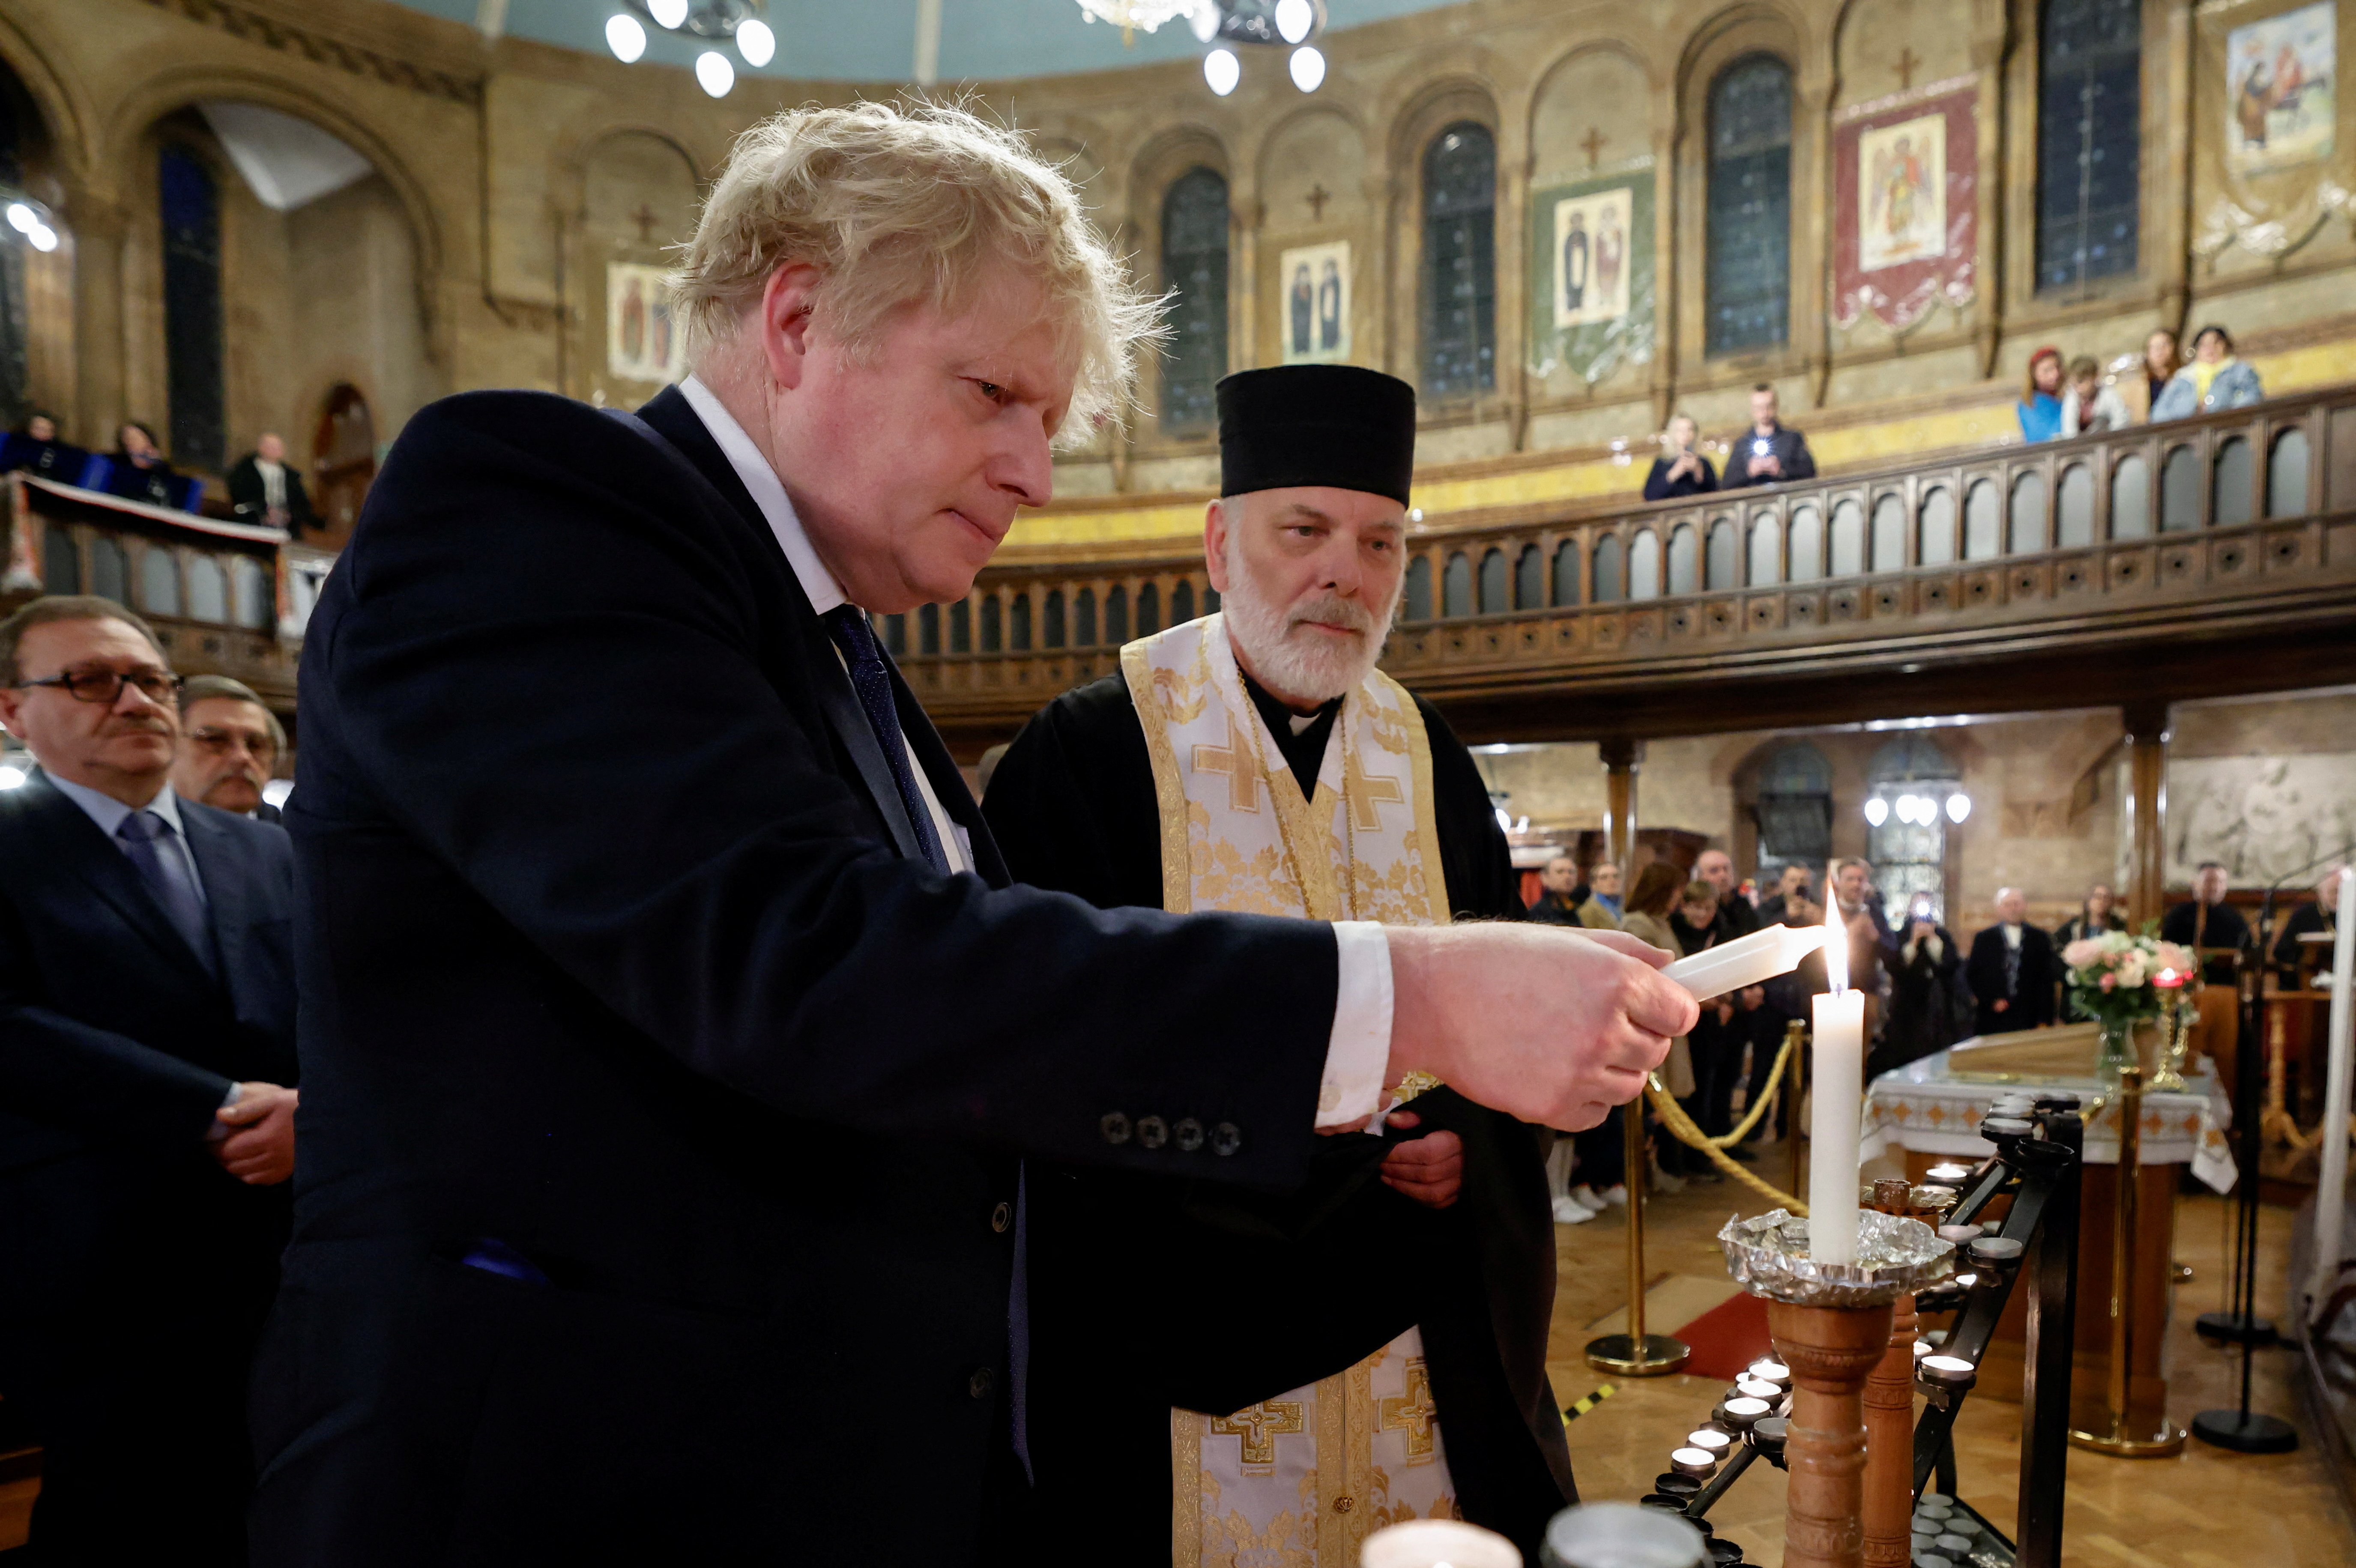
{"points": [[1286, 657]]}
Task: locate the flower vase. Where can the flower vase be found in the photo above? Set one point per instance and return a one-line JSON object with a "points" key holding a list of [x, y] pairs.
{"points": [[2117, 1049]]}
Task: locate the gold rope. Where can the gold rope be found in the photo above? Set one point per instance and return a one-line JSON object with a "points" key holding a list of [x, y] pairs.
{"points": [[1673, 1116]]}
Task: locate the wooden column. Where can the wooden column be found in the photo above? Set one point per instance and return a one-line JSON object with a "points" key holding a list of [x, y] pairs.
{"points": [[1890, 1446], [1622, 758], [2146, 805], [1831, 1350]]}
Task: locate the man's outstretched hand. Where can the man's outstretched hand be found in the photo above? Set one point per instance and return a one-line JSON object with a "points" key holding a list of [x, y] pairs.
{"points": [[1550, 1025]]}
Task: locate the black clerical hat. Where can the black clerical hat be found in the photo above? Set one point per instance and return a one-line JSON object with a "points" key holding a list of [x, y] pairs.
{"points": [[1338, 425]]}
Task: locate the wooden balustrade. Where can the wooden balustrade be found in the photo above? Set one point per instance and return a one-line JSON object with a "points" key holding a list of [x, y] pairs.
{"points": [[2249, 514]]}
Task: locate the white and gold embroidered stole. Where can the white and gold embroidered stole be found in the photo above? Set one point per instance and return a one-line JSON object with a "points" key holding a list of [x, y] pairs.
{"points": [[1301, 1478]]}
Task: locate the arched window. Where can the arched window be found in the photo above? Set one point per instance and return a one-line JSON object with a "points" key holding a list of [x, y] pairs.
{"points": [[192, 306], [109, 570], [2089, 140], [1749, 222], [1456, 588], [207, 589], [60, 560], [1492, 582], [1795, 812], [1683, 549], [1417, 605], [1529, 573], [1909, 846], [1645, 565], [159, 581], [1194, 269], [1607, 579], [1460, 262], [1566, 574]]}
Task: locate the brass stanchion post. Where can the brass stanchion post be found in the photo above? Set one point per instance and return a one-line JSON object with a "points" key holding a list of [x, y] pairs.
{"points": [[1636, 1354], [2119, 1437], [1795, 1035]]}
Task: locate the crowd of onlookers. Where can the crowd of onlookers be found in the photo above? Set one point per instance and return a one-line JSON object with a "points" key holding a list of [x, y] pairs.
{"points": [[1923, 989], [264, 487], [2061, 399]]}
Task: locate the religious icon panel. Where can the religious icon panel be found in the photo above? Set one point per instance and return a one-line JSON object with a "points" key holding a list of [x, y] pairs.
{"points": [[1903, 175], [1316, 293], [2281, 95], [1591, 235], [641, 332]]}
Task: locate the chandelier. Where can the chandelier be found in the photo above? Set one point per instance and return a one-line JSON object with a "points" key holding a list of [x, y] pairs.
{"points": [[1130, 16], [712, 21]]}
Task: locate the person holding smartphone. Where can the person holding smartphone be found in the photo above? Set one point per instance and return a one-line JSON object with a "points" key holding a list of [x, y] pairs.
{"points": [[1770, 452], [1680, 470]]}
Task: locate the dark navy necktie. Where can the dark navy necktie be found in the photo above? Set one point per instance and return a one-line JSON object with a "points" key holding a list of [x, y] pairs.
{"points": [[872, 680], [145, 836]]}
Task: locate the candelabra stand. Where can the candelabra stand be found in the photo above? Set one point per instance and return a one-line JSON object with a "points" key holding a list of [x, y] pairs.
{"points": [[1636, 1354]]}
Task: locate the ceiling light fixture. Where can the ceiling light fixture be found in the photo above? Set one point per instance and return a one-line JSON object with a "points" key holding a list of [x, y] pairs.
{"points": [[1877, 811], [1293, 20], [670, 14], [1221, 69], [756, 42], [714, 73], [1141, 15], [1308, 68]]}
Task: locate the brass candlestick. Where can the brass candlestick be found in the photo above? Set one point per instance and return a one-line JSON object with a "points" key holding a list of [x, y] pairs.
{"points": [[2176, 1025], [2120, 1435], [1636, 1354]]}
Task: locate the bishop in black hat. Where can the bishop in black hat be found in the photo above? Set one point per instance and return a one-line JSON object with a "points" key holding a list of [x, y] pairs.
{"points": [[1244, 1357]]}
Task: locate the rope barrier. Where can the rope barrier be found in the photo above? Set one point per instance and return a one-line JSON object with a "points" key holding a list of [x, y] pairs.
{"points": [[1681, 1127]]}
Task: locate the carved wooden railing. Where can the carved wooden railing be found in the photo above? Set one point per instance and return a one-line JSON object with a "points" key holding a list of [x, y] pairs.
{"points": [[2077, 540], [226, 598]]}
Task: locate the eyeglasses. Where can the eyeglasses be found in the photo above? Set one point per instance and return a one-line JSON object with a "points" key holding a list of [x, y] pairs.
{"points": [[106, 686]]}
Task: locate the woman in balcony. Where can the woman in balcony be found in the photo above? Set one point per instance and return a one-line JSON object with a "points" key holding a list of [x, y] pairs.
{"points": [[2161, 361], [1679, 469], [2213, 380], [2040, 400], [140, 472]]}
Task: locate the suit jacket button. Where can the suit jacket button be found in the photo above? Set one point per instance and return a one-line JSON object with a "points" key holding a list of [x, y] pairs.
{"points": [[981, 1382], [1226, 1139], [1190, 1135], [1002, 1217], [1152, 1132], [1114, 1127]]}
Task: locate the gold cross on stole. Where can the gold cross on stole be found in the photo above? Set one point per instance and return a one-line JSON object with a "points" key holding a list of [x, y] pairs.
{"points": [[1260, 1425], [1412, 1412], [1364, 791], [1233, 759]]}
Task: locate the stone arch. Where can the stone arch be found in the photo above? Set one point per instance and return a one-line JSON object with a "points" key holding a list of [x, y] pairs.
{"points": [[68, 116]]}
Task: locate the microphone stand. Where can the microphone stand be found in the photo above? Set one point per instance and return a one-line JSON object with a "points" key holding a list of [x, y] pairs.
{"points": [[2240, 1428]]}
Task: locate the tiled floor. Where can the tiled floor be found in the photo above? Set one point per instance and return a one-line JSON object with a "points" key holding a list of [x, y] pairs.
{"points": [[2204, 1508]]}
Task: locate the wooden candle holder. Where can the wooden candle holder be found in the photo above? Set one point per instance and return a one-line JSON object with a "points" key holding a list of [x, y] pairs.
{"points": [[1890, 1446], [1831, 1351]]}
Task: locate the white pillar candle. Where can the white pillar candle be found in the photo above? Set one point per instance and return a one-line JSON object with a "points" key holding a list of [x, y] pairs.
{"points": [[1746, 961], [2331, 1177], [1836, 1092]]}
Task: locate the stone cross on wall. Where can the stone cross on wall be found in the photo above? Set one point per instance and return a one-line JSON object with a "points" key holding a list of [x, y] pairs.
{"points": [[1317, 198], [645, 218], [1907, 60], [1593, 142]]}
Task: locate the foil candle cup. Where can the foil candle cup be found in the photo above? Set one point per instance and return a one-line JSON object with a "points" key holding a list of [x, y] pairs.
{"points": [[1713, 1443], [1696, 1462], [1948, 1371], [1745, 1413]]}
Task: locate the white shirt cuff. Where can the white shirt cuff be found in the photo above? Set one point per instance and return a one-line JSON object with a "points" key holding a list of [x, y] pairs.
{"points": [[1360, 1051]]}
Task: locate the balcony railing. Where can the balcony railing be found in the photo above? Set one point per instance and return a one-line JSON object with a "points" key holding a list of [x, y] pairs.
{"points": [[227, 598], [2077, 539]]}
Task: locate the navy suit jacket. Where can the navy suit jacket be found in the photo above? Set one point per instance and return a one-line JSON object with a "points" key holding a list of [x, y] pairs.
{"points": [[619, 965], [117, 1048]]}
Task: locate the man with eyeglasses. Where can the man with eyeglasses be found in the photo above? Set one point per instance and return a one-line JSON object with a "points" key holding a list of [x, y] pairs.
{"points": [[231, 746], [146, 1113]]}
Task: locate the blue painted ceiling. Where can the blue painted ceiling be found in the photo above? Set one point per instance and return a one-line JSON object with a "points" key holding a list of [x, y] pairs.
{"points": [[874, 41]]}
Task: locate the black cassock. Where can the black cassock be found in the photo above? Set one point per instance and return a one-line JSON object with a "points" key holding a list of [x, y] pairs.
{"points": [[1146, 1294]]}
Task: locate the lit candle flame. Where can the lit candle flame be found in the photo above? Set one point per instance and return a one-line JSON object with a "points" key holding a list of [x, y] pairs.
{"points": [[1835, 945]]}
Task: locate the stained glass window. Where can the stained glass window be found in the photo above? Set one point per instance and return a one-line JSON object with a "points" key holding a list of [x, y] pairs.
{"points": [[16, 327], [2089, 140], [1460, 262], [1195, 269], [192, 308], [1795, 812], [1750, 228]]}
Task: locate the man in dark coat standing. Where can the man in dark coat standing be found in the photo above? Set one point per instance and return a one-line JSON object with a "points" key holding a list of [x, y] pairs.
{"points": [[671, 1027], [146, 1102], [2012, 970], [1315, 463]]}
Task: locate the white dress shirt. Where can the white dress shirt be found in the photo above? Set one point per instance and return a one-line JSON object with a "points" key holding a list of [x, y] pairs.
{"points": [[1357, 1052], [273, 482]]}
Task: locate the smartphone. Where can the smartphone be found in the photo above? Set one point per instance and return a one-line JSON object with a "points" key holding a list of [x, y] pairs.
{"points": [[1759, 448], [1921, 906]]}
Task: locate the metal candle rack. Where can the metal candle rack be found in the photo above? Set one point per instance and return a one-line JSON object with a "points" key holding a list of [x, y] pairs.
{"points": [[2039, 1152]]}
